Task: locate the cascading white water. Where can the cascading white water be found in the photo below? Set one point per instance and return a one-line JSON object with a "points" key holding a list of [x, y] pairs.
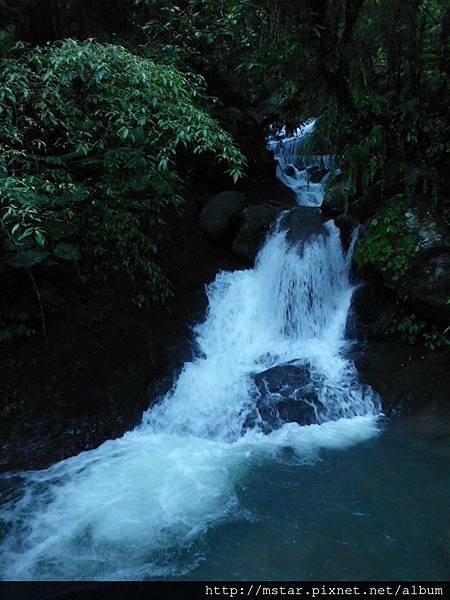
{"points": [[295, 160], [126, 509]]}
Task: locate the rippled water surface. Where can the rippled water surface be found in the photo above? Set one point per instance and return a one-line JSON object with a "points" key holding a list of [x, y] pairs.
{"points": [[379, 510]]}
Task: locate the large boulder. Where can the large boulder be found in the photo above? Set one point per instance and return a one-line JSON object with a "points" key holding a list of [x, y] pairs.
{"points": [[371, 312], [286, 394], [289, 171], [302, 223], [221, 214], [406, 246], [347, 225], [407, 377], [427, 282], [255, 223], [335, 198]]}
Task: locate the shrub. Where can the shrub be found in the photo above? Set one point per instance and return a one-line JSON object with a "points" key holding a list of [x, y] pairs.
{"points": [[89, 135], [388, 245]]}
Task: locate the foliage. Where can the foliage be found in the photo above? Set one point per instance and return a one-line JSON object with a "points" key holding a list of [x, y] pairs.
{"points": [[412, 330], [383, 96], [90, 132], [240, 46], [375, 70], [90, 135], [14, 325], [388, 244]]}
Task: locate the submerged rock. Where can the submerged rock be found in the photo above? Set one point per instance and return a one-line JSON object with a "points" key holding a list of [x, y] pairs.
{"points": [[286, 394], [221, 214]]}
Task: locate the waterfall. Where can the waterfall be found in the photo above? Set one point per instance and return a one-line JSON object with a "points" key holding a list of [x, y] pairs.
{"points": [[270, 373], [296, 164]]}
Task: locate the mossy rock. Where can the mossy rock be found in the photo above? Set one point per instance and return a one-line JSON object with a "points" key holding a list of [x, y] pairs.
{"points": [[409, 245]]}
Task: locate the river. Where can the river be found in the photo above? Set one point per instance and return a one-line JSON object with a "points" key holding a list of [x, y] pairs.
{"points": [[268, 458]]}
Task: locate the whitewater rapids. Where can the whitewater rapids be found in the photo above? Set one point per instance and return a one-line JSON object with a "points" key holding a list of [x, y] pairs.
{"points": [[127, 509]]}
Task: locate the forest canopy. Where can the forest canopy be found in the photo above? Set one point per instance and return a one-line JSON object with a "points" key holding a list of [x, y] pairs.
{"points": [[97, 99]]}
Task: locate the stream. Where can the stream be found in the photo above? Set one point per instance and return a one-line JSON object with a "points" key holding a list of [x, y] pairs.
{"points": [[268, 458]]}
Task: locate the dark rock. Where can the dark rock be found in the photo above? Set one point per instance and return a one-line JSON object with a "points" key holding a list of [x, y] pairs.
{"points": [[256, 222], [346, 224], [270, 109], [406, 377], [336, 176], [221, 214], [303, 222], [371, 310], [427, 282], [87, 385], [428, 286], [335, 199], [285, 395], [249, 134], [317, 175], [235, 120], [289, 171]]}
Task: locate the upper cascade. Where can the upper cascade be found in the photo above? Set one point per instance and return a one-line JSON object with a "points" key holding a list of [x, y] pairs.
{"points": [[299, 166]]}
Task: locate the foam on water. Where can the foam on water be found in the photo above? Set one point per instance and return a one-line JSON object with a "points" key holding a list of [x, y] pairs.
{"points": [[126, 509], [294, 157]]}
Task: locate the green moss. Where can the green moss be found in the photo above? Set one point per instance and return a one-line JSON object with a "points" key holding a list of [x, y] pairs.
{"points": [[389, 244]]}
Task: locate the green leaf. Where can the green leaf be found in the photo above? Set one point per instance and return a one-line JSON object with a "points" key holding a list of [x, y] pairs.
{"points": [[39, 238], [66, 251], [25, 258]]}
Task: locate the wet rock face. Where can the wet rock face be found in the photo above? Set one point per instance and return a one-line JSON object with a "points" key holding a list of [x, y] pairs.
{"points": [[300, 223], [427, 282], [406, 377], [285, 394], [346, 224], [303, 222], [221, 214], [255, 223], [335, 199], [428, 285]]}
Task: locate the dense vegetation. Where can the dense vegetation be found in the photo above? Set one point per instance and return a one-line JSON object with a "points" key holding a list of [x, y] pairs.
{"points": [[89, 130], [90, 134]]}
